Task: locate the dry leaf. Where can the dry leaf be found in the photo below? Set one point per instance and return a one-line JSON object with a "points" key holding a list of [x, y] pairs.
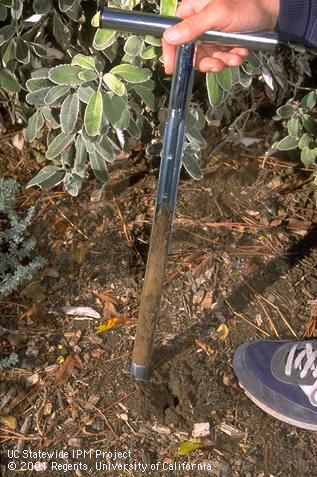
{"points": [[92, 401], [60, 226], [207, 303], [80, 252], [207, 349], [18, 140], [9, 421], [75, 442], [73, 338], [109, 311], [33, 312], [109, 305], [116, 323], [97, 353], [105, 296], [223, 331], [33, 379], [65, 370], [248, 267]]}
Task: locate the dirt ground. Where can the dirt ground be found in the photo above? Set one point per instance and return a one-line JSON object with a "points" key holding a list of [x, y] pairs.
{"points": [[242, 266]]}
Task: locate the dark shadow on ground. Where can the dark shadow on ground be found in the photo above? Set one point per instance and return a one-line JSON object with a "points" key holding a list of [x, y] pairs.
{"points": [[242, 296]]}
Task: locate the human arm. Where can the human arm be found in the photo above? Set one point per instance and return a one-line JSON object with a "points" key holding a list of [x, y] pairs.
{"points": [[297, 21]]}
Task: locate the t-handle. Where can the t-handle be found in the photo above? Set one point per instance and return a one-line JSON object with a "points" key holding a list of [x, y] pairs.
{"points": [[141, 23]]}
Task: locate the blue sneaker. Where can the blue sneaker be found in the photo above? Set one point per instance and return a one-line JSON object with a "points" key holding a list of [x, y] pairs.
{"points": [[281, 378]]}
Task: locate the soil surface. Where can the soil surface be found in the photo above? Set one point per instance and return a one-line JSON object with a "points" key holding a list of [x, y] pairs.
{"points": [[242, 266]]}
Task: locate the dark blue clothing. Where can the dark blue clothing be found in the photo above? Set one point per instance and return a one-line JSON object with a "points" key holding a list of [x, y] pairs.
{"points": [[298, 21]]}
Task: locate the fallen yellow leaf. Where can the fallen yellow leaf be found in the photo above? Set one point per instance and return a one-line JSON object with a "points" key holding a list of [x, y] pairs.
{"points": [[115, 323], [189, 446], [9, 421], [223, 331], [80, 253]]}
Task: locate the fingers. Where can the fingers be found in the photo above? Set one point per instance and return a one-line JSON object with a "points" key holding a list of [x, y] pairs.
{"points": [[188, 30], [169, 54], [208, 57], [211, 58], [190, 7]]}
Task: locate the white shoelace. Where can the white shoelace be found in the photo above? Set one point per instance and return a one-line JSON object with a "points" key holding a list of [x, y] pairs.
{"points": [[310, 365]]}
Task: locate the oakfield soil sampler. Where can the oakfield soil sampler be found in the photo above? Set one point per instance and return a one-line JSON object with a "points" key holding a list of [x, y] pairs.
{"points": [[171, 159]]}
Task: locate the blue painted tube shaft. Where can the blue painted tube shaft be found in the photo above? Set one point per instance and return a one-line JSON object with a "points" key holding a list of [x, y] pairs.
{"points": [[171, 162], [174, 136]]}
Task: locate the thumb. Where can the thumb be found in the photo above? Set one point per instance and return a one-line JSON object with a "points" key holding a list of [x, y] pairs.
{"points": [[189, 29]]}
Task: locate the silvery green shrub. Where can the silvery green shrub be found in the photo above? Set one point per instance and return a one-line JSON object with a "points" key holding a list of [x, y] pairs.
{"points": [[300, 122], [93, 91], [16, 248]]}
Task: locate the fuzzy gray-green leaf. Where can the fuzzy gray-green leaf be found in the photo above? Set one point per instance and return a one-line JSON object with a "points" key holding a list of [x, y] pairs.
{"points": [[42, 6], [286, 111], [309, 101], [215, 93], [134, 45], [116, 111], [72, 183], [84, 93], [37, 84], [168, 7], [288, 143], [304, 141], [294, 127], [146, 95], [104, 38], [22, 51], [308, 156], [80, 156], [6, 33], [149, 53], [131, 73], [87, 75], [58, 145], [51, 116], [55, 93], [224, 79], [35, 123], [105, 150], [192, 167], [37, 97], [8, 81], [310, 124], [47, 178], [93, 114], [65, 75], [99, 167], [86, 62], [114, 84], [69, 113]]}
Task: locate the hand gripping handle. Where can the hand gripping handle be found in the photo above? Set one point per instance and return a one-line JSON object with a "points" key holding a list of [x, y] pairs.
{"points": [[141, 23]]}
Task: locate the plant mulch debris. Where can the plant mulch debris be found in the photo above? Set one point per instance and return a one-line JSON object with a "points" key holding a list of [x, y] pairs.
{"points": [[242, 266]]}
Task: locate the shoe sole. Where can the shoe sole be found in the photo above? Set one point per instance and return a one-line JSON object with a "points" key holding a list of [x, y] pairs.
{"points": [[281, 417]]}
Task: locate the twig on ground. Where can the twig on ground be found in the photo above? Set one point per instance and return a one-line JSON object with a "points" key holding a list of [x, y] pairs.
{"points": [[274, 306], [243, 318], [67, 219]]}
